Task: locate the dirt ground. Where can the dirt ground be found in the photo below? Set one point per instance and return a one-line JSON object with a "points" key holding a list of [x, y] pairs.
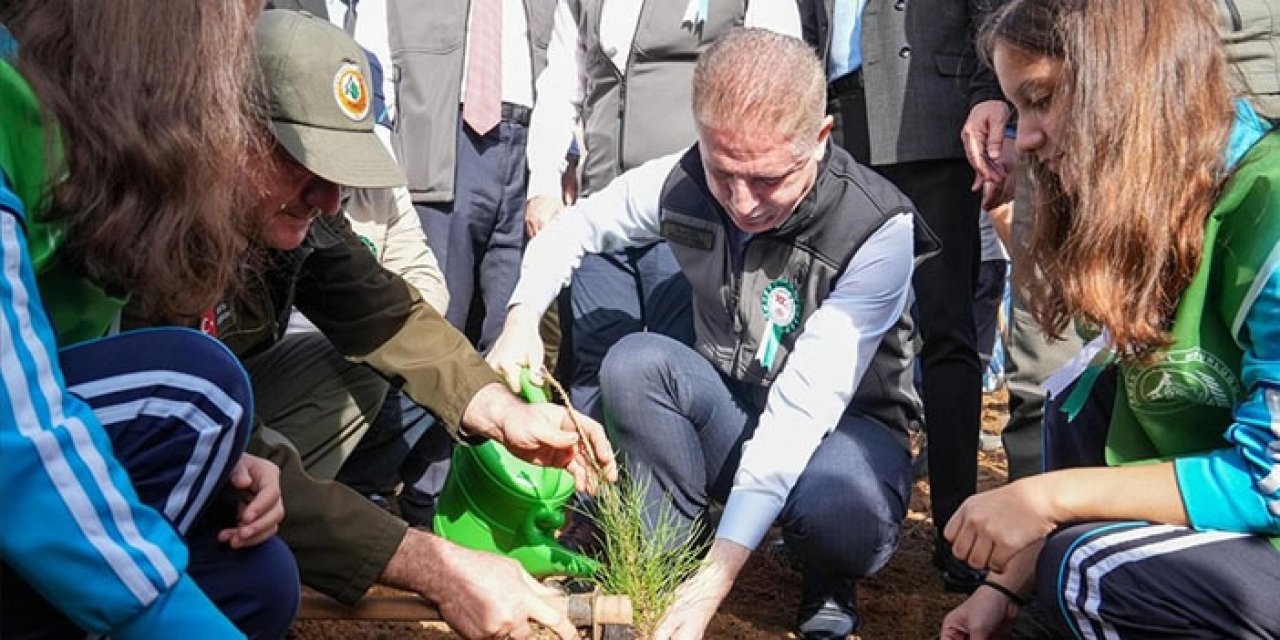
{"points": [[905, 601]]}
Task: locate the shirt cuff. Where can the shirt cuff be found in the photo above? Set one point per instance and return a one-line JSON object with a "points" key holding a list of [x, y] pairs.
{"points": [[183, 611], [544, 182], [747, 517], [1219, 494]]}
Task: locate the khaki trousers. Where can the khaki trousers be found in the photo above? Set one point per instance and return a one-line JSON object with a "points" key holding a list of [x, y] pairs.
{"points": [[315, 400]]}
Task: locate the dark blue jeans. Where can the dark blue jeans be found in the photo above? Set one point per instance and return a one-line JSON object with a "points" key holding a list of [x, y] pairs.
{"points": [[405, 444], [178, 443], [617, 294], [987, 297], [680, 425]]}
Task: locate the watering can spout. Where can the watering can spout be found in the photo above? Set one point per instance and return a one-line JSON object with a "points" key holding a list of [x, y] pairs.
{"points": [[493, 501]]}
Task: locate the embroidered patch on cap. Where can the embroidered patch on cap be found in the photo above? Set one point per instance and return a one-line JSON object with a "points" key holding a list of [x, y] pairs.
{"points": [[351, 91]]}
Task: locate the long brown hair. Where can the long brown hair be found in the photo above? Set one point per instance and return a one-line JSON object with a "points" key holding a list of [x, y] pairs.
{"points": [[152, 105], [1119, 228]]}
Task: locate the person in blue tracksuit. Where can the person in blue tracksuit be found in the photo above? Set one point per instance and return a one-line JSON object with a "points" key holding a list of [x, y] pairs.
{"points": [[130, 509]]}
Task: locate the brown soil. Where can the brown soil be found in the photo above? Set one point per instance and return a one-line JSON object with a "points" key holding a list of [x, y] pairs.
{"points": [[905, 601]]}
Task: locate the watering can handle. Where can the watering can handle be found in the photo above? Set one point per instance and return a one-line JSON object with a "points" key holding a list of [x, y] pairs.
{"points": [[533, 394]]}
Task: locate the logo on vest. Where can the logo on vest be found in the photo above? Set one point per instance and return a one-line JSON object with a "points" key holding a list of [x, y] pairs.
{"points": [[782, 309], [351, 92], [1184, 377]]}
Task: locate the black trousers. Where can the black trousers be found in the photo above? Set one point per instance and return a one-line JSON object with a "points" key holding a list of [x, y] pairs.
{"points": [[944, 288]]}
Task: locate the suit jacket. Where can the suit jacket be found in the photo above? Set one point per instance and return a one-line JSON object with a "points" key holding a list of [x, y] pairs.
{"points": [[920, 71], [428, 41]]}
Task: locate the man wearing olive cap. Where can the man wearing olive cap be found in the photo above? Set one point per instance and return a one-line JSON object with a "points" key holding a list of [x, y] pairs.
{"points": [[316, 393]]}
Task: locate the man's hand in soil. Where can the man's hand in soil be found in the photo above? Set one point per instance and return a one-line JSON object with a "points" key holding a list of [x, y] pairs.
{"points": [[986, 614], [480, 595], [699, 597], [542, 434], [261, 508]]}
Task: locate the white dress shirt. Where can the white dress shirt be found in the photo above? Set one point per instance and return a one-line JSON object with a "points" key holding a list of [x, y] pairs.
{"points": [[517, 67]]}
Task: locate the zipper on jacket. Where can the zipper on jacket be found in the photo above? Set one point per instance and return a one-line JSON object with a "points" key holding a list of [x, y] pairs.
{"points": [[622, 127], [735, 299], [1236, 22], [622, 92], [735, 287]]}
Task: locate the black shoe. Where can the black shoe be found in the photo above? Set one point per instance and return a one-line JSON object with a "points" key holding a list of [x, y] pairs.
{"points": [[827, 610], [957, 577], [779, 551], [829, 619]]}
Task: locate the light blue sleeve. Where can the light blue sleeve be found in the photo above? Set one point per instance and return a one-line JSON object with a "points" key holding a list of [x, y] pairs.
{"points": [[1238, 488], [74, 528]]}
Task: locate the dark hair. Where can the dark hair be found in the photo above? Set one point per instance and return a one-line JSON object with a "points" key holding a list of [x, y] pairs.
{"points": [[1119, 227], [151, 105]]}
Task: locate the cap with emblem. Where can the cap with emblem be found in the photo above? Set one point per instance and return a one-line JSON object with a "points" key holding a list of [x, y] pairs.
{"points": [[317, 79]]}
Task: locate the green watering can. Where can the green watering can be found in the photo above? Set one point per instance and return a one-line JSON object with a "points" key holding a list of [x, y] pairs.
{"points": [[494, 501]]}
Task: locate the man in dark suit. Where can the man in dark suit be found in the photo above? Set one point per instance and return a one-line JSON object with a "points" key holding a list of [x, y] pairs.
{"points": [[903, 75]]}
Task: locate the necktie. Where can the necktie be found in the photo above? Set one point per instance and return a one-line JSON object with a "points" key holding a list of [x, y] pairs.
{"points": [[349, 21], [482, 106]]}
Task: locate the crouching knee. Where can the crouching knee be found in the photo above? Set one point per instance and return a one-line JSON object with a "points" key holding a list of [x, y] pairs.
{"points": [[635, 358], [849, 527], [256, 588]]}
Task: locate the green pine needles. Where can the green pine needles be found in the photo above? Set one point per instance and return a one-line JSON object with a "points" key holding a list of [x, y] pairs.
{"points": [[646, 563]]}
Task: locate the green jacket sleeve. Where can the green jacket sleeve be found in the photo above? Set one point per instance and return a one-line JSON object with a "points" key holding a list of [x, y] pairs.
{"points": [[438, 366], [373, 316]]}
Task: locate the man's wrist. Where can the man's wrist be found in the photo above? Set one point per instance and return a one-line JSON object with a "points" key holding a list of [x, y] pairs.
{"points": [[544, 184], [420, 564], [522, 316], [726, 558], [483, 415], [730, 555]]}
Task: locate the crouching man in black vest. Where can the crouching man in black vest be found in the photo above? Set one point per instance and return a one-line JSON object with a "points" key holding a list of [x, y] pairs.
{"points": [[794, 402]]}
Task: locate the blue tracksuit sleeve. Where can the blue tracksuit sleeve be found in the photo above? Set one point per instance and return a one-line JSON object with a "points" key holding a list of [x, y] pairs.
{"points": [[1238, 488], [73, 526]]}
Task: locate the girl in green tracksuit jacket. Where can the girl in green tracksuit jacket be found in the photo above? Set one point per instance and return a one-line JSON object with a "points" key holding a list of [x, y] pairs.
{"points": [[1156, 217]]}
